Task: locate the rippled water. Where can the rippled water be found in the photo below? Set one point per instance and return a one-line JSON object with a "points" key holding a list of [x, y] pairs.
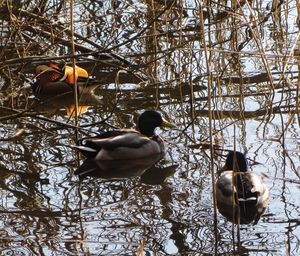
{"points": [[252, 72]]}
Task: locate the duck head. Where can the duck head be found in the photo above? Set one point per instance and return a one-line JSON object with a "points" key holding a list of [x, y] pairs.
{"points": [[235, 161], [149, 120]]}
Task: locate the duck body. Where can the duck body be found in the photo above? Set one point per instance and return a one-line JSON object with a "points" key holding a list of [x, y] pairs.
{"points": [[241, 195], [121, 145], [52, 80], [125, 144]]}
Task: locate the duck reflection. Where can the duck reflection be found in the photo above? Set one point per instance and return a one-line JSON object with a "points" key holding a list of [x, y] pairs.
{"points": [[65, 101], [158, 174], [242, 197], [117, 169]]}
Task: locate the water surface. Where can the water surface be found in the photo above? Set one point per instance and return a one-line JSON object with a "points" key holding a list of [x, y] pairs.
{"points": [[250, 67]]}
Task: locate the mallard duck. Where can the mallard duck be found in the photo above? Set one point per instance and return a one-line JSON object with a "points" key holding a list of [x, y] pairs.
{"points": [[127, 143], [240, 193], [56, 79]]}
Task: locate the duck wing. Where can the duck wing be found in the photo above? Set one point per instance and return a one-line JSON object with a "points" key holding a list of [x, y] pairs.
{"points": [[51, 89], [253, 197], [129, 140], [246, 193], [224, 186], [249, 187], [111, 140]]}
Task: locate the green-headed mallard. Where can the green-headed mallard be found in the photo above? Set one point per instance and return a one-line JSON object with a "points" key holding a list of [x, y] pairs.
{"points": [[127, 143], [240, 193], [55, 79]]}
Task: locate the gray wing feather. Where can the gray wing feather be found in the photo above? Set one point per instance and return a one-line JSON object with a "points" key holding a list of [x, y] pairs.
{"points": [[131, 140]]}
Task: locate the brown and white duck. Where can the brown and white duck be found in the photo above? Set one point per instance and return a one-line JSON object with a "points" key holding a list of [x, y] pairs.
{"points": [[56, 79], [241, 195]]}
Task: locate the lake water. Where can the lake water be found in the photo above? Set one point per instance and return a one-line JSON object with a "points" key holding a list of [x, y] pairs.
{"points": [[245, 55]]}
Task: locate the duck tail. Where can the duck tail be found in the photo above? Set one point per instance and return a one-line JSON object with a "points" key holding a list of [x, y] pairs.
{"points": [[88, 152]]}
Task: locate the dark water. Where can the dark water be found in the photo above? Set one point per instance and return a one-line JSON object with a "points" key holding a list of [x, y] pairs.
{"points": [[250, 65]]}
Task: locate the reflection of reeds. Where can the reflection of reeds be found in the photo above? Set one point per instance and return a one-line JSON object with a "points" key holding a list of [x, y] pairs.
{"points": [[208, 62], [74, 64]]}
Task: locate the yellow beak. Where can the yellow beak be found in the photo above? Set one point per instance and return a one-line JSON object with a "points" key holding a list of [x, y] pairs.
{"points": [[167, 124]]}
